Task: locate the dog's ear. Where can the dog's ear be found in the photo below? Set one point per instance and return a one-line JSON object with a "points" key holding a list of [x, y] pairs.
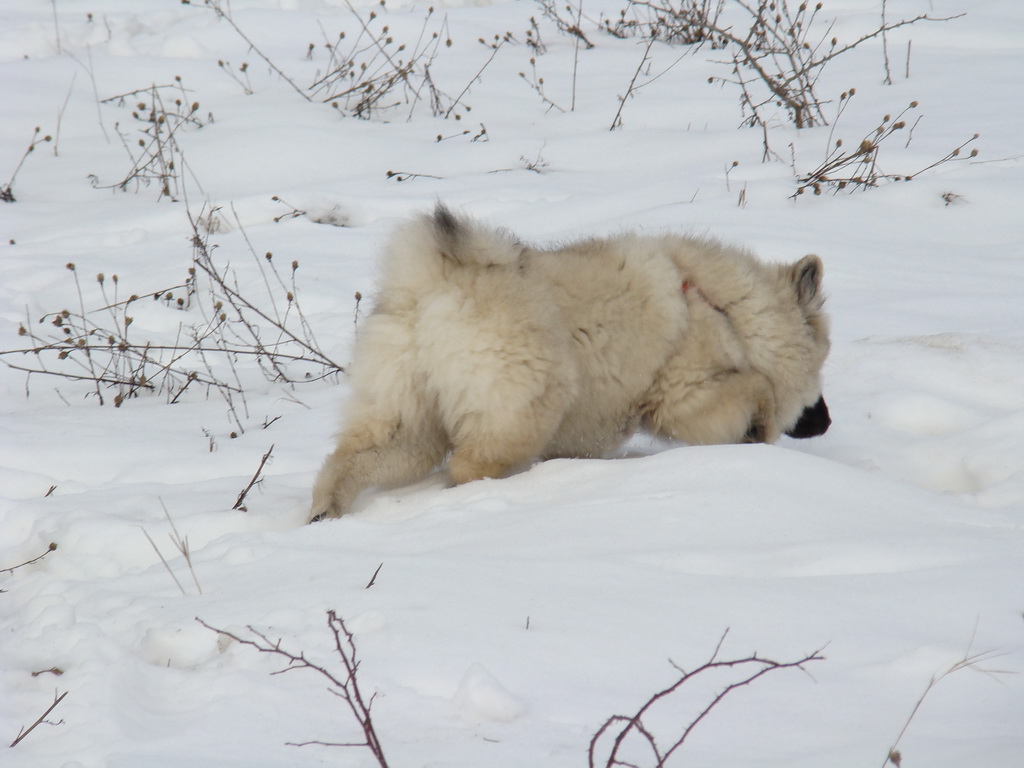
{"points": [[806, 277]]}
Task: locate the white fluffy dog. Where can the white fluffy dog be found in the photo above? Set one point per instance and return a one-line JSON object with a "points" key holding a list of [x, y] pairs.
{"points": [[493, 353]]}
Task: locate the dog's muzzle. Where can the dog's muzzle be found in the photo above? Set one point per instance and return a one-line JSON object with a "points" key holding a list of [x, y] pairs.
{"points": [[813, 421]]}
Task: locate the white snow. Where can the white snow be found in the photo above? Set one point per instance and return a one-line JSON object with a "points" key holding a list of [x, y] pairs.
{"points": [[509, 619]]}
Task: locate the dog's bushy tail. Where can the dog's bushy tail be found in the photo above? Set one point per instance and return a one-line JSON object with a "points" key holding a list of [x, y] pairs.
{"points": [[436, 249], [467, 243]]}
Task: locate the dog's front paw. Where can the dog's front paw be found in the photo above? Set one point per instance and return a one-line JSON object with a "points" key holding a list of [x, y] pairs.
{"points": [[326, 502], [323, 508], [318, 513]]}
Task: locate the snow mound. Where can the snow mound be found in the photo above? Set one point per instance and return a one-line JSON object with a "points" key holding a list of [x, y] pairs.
{"points": [[481, 697]]}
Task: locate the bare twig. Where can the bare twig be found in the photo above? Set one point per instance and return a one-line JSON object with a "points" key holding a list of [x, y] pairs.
{"points": [[373, 579], [256, 479], [60, 116], [42, 718], [885, 46], [55, 671], [90, 70], [56, 26], [494, 52], [181, 544], [576, 56]]}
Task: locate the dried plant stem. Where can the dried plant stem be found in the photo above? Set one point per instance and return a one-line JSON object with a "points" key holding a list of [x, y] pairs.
{"points": [[216, 7], [6, 194], [163, 560], [576, 56], [181, 544], [859, 168], [570, 27], [476, 77], [36, 559], [617, 120], [776, 51], [967, 662], [99, 346]]}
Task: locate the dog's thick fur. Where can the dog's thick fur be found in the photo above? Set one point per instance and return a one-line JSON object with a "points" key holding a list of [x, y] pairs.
{"points": [[495, 353]]}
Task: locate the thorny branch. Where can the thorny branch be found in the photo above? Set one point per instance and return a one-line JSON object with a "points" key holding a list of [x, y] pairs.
{"points": [[623, 729], [343, 684]]}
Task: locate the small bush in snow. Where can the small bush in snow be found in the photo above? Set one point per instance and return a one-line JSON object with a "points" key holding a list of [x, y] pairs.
{"points": [[858, 167], [103, 349], [156, 156]]}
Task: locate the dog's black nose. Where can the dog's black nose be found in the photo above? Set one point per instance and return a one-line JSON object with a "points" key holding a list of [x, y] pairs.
{"points": [[813, 421]]}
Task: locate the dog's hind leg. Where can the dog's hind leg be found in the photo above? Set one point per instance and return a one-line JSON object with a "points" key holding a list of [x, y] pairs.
{"points": [[497, 441], [491, 456], [374, 453]]}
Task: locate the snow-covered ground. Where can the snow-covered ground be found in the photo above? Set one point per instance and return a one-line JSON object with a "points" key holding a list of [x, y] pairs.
{"points": [[509, 619]]}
